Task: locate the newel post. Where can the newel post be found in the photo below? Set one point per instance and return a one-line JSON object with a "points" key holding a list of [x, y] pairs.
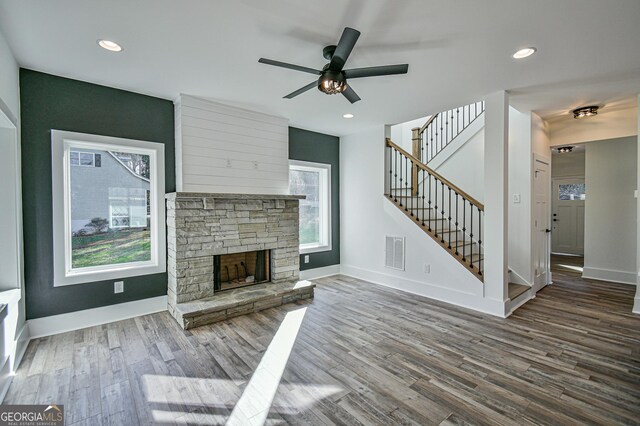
{"points": [[415, 151]]}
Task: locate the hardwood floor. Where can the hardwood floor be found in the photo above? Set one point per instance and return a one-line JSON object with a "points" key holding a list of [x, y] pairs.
{"points": [[363, 354]]}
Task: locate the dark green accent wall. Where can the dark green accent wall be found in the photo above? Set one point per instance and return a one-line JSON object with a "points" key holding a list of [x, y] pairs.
{"points": [[50, 102], [305, 145]]}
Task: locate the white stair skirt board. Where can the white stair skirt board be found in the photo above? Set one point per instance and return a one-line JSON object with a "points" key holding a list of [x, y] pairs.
{"points": [[622, 277], [55, 324], [432, 291], [325, 271]]}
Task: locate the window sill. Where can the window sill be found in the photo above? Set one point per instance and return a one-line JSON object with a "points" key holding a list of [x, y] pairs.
{"points": [[315, 249]]}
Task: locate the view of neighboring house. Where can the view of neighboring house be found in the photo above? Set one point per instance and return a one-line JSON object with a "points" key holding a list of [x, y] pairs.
{"points": [[104, 186]]}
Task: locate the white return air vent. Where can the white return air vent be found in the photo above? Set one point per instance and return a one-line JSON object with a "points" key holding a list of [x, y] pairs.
{"points": [[394, 253]]}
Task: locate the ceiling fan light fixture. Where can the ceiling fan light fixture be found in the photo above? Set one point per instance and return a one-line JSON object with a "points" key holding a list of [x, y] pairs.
{"points": [[331, 83], [587, 111]]}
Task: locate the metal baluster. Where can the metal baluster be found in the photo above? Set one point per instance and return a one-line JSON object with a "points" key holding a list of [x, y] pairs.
{"points": [[471, 234], [457, 196], [464, 229], [411, 188], [435, 207], [480, 251], [458, 119], [449, 218], [390, 170], [442, 212], [395, 175], [407, 193], [400, 189], [429, 205], [423, 191]]}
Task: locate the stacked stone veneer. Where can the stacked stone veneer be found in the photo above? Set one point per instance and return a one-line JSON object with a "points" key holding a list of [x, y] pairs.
{"points": [[201, 225]]}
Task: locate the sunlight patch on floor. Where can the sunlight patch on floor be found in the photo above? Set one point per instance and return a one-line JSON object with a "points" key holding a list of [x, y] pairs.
{"points": [[572, 267], [254, 404]]}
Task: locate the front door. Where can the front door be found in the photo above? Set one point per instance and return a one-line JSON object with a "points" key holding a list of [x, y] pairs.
{"points": [[541, 252], [568, 216]]}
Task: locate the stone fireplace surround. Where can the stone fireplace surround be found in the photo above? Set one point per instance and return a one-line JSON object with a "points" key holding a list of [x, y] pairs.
{"points": [[202, 225]]}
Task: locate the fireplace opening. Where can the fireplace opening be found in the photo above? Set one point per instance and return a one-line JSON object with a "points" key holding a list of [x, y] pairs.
{"points": [[240, 269]]}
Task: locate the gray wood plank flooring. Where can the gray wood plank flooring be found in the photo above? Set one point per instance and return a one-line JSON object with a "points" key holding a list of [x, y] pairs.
{"points": [[363, 354]]}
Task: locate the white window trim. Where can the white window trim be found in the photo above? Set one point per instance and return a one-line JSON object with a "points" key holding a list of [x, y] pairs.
{"points": [[61, 143], [325, 204]]}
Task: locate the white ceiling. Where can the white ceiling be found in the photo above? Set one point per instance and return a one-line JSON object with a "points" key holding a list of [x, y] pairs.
{"points": [[457, 51]]}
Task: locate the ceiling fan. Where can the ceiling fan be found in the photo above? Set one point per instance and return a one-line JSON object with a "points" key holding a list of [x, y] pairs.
{"points": [[333, 78]]}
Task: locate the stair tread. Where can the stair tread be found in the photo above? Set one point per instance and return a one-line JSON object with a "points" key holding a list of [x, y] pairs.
{"points": [[516, 290]]}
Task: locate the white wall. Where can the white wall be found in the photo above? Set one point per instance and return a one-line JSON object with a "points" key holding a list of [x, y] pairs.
{"points": [[611, 210], [13, 332], [568, 164], [367, 217], [608, 124], [465, 167], [636, 304], [9, 80], [520, 184], [224, 149]]}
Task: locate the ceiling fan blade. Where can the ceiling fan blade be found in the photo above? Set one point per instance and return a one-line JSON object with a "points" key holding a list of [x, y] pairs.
{"points": [[344, 48], [351, 95], [376, 71], [302, 90], [289, 66]]}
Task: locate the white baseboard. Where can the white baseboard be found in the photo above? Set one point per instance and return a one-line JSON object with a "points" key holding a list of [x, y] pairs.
{"points": [[325, 271], [467, 300], [55, 324], [610, 275], [6, 377], [636, 305]]}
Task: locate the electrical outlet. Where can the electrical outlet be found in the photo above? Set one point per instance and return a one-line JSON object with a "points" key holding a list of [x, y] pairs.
{"points": [[516, 198], [228, 163], [306, 258], [426, 268], [118, 286], [255, 165]]}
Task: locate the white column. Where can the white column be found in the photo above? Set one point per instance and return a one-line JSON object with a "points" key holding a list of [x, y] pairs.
{"points": [[636, 304], [495, 234]]}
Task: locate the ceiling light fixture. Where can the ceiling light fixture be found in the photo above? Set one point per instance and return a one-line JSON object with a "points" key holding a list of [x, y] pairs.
{"points": [[524, 53], [565, 149], [587, 111], [331, 82], [109, 45], [348, 115]]}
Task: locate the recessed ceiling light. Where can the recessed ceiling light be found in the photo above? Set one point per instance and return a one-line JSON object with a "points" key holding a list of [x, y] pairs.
{"points": [[110, 45], [348, 115], [524, 53], [565, 149]]}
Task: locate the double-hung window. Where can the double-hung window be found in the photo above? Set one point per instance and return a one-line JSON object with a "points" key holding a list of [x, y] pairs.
{"points": [[108, 207], [314, 181]]}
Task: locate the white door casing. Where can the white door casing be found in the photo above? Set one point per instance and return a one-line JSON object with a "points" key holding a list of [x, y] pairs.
{"points": [[541, 222], [567, 235]]}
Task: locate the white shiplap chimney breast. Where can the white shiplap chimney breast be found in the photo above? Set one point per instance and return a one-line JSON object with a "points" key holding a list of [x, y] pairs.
{"points": [[224, 149]]}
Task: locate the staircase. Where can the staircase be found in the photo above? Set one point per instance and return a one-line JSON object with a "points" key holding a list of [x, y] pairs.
{"points": [[443, 211], [441, 129]]}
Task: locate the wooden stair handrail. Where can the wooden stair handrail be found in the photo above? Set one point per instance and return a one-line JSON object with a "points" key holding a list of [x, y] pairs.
{"points": [[419, 164], [425, 125]]}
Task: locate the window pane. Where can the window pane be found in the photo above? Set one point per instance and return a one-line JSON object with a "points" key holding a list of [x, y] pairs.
{"points": [[75, 159], [571, 191], [86, 159], [109, 220], [307, 183]]}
